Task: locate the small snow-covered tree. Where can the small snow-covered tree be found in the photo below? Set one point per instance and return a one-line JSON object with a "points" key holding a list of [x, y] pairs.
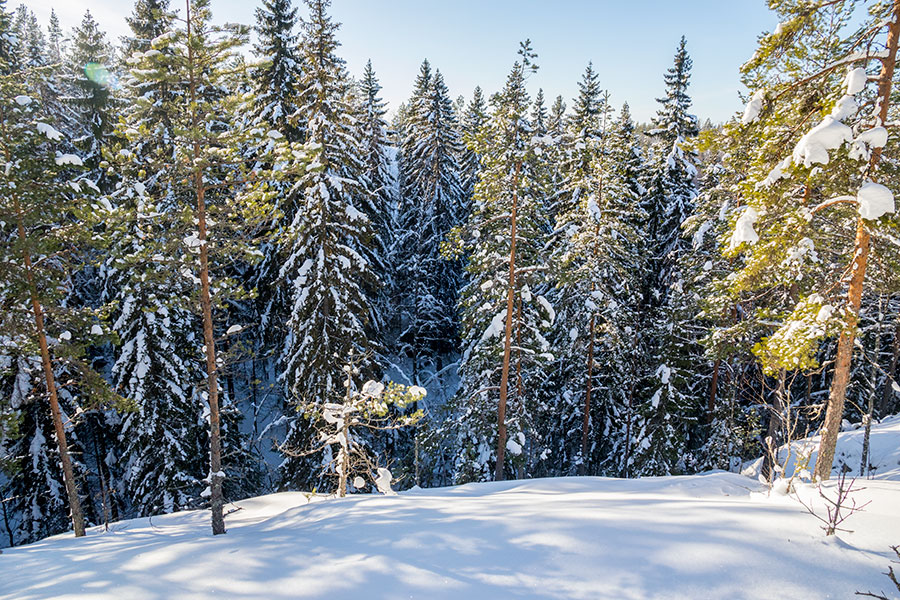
{"points": [[342, 430]]}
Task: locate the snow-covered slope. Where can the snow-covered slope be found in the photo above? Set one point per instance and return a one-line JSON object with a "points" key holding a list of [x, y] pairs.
{"points": [[716, 535], [884, 452]]}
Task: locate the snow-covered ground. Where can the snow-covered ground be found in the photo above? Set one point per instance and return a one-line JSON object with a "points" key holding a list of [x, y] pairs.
{"points": [[715, 535]]}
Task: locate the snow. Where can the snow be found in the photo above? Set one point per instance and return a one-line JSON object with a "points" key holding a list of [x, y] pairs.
{"points": [[383, 482], [373, 388], [743, 229], [813, 147], [593, 210], [551, 314], [233, 329], [495, 328], [875, 137], [22, 100], [716, 535], [884, 453], [855, 81], [874, 200], [96, 329], [751, 112], [777, 173], [49, 131], [68, 159], [844, 108]]}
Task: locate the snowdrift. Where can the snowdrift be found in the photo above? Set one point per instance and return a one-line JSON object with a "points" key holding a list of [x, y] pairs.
{"points": [[716, 535]]}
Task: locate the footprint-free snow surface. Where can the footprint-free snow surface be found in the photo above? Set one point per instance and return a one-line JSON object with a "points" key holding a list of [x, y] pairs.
{"points": [[711, 536]]}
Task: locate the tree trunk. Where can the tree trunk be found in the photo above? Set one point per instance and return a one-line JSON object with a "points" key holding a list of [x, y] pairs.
{"points": [[586, 418], [713, 390], [628, 428], [216, 476], [777, 423], [873, 385], [507, 344], [62, 445], [835, 412], [890, 378]]}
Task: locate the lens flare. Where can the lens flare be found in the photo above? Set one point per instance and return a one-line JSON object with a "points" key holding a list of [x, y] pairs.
{"points": [[98, 74]]}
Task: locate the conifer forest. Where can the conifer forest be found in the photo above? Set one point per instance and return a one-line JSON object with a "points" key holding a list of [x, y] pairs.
{"points": [[229, 269]]}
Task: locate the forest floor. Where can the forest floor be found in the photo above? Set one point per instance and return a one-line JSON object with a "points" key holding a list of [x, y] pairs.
{"points": [[715, 535]]}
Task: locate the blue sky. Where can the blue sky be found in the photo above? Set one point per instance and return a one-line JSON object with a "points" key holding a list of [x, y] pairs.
{"points": [[474, 42]]}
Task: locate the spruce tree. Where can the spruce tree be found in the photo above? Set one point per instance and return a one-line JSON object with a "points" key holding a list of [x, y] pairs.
{"points": [[89, 78], [378, 172], [327, 275], [431, 206], [8, 41], [473, 119], [277, 79], [671, 381], [598, 259], [54, 52]]}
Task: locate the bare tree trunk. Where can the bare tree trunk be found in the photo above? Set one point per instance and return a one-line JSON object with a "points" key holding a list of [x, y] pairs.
{"points": [[835, 412], [628, 428], [870, 409], [713, 390], [216, 476], [777, 423], [62, 445], [507, 344], [586, 418], [6, 523], [890, 378], [104, 489]]}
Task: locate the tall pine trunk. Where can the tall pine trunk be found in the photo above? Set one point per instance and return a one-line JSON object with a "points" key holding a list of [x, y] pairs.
{"points": [[835, 412], [215, 443], [507, 343], [62, 445]]}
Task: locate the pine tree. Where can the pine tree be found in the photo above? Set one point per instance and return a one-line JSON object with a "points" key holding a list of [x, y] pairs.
{"points": [[35, 261], [204, 195], [804, 234], [327, 275], [503, 239]]}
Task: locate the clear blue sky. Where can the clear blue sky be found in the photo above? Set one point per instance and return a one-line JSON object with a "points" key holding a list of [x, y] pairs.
{"points": [[473, 42]]}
